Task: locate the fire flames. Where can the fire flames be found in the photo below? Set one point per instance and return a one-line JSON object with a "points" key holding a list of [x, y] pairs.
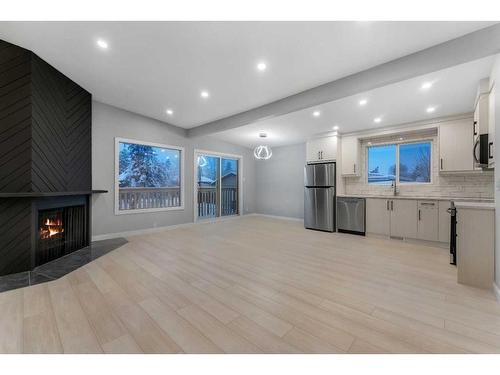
{"points": [[50, 228]]}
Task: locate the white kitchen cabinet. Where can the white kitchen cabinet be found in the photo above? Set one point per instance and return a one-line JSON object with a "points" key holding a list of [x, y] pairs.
{"points": [[444, 221], [475, 244], [403, 218], [481, 108], [350, 156], [427, 220], [378, 216], [455, 146], [408, 218], [322, 149]]}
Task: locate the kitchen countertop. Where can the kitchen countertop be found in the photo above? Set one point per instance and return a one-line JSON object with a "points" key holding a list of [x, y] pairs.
{"points": [[476, 205], [423, 198]]}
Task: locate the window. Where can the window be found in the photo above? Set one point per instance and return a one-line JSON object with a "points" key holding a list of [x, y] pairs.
{"points": [[148, 177], [413, 161], [381, 164]]}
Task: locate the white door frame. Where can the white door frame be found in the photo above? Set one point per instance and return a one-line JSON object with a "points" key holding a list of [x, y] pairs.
{"points": [[195, 181]]}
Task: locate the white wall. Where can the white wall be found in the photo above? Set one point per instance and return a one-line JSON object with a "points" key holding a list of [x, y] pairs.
{"points": [[495, 78], [280, 182], [109, 122]]}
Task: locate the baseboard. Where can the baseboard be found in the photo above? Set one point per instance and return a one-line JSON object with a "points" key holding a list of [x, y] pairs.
{"points": [[279, 217], [496, 290], [140, 232]]}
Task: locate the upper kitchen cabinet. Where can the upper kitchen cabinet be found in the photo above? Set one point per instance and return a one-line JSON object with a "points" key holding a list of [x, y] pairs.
{"points": [[350, 156], [322, 149], [456, 141], [481, 109]]}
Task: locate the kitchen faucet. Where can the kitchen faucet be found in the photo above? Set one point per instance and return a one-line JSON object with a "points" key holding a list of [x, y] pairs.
{"points": [[394, 187]]}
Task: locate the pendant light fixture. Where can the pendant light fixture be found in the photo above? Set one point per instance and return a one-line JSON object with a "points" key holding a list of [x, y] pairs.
{"points": [[262, 152], [202, 161]]}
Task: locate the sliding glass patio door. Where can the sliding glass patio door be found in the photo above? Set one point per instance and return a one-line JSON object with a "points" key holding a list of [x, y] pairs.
{"points": [[217, 186]]}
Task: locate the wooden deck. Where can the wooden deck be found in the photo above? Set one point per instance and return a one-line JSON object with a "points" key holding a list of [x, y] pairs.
{"points": [[253, 285]]}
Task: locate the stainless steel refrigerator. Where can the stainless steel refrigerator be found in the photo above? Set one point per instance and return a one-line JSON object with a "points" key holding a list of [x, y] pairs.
{"points": [[319, 196]]}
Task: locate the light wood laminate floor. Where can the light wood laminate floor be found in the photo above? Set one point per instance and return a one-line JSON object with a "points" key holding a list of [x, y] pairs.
{"points": [[254, 285]]}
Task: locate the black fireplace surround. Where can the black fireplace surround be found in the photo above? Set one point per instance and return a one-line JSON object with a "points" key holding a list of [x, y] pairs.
{"points": [[45, 162]]}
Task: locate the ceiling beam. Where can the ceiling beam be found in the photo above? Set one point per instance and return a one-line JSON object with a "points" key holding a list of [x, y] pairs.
{"points": [[473, 46]]}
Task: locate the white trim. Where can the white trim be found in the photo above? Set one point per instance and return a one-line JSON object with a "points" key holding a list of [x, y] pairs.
{"points": [[139, 232], [290, 218], [117, 170], [196, 152], [496, 290]]}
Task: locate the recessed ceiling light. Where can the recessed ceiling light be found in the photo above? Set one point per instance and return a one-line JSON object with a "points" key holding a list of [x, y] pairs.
{"points": [[426, 85], [369, 143], [170, 112], [316, 113], [430, 109], [204, 94], [261, 66], [401, 138], [377, 120], [363, 102], [336, 127], [102, 43]]}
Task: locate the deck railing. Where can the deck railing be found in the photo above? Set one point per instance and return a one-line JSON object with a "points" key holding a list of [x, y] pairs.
{"points": [[207, 201], [132, 198]]}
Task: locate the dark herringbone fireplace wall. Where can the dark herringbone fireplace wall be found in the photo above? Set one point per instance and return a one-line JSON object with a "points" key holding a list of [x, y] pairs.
{"points": [[45, 126], [45, 147]]}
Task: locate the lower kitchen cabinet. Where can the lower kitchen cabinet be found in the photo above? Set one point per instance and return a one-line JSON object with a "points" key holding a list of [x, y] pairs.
{"points": [[427, 223], [408, 218], [378, 216], [404, 218], [475, 245]]}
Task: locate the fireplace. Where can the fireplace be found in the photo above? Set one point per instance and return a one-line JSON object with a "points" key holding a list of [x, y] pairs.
{"points": [[45, 162], [61, 231]]}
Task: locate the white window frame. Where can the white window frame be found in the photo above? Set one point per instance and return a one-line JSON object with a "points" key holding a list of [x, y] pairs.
{"points": [[117, 173], [398, 144], [198, 152]]}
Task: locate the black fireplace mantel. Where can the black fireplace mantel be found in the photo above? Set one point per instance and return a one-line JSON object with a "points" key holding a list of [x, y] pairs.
{"points": [[50, 194]]}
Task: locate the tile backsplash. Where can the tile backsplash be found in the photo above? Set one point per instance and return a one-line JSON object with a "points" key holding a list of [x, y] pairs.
{"points": [[475, 185]]}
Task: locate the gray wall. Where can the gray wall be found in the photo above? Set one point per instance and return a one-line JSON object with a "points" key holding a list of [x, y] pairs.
{"points": [[109, 122], [280, 182]]}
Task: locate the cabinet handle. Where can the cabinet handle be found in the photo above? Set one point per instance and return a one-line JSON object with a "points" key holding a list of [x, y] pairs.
{"points": [[392, 205], [354, 168], [387, 205], [319, 157], [441, 163], [419, 215], [474, 127], [489, 150]]}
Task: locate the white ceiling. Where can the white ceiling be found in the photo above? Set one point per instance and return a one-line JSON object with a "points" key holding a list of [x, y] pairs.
{"points": [[453, 92], [152, 66]]}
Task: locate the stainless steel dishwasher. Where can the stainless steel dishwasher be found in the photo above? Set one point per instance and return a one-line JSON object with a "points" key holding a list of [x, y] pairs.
{"points": [[351, 215]]}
